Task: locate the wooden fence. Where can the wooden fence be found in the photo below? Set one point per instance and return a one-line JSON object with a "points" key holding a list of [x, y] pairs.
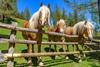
{"points": [[12, 41]]}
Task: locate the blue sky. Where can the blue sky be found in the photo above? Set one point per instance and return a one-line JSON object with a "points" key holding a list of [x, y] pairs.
{"points": [[34, 5]]}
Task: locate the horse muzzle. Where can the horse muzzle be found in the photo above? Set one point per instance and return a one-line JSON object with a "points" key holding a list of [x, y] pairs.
{"points": [[90, 37], [61, 30]]}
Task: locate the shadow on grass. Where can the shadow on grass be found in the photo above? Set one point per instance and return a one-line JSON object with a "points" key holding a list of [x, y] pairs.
{"points": [[94, 65], [56, 62], [34, 59], [2, 64], [95, 55], [72, 57]]}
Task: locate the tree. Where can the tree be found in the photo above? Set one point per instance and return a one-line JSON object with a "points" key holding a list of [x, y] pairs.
{"points": [[82, 16], [70, 19], [90, 6], [26, 14], [64, 16], [57, 14], [7, 8]]}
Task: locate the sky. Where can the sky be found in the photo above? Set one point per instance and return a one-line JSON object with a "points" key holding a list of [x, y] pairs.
{"points": [[34, 5]]}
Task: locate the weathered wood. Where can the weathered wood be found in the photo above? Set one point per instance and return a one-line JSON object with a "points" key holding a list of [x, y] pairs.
{"points": [[16, 55], [10, 63], [12, 42], [44, 43], [7, 26]]}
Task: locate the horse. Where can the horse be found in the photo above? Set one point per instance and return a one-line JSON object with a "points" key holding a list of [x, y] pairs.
{"points": [[84, 29], [69, 31], [38, 20], [58, 28]]}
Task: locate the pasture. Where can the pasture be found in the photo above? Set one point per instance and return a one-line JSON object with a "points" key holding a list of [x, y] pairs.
{"points": [[91, 61]]}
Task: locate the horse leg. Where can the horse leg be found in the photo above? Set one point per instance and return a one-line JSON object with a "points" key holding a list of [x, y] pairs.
{"points": [[77, 48], [79, 56], [55, 48], [67, 47], [64, 47], [50, 46], [73, 47], [39, 49], [84, 55]]}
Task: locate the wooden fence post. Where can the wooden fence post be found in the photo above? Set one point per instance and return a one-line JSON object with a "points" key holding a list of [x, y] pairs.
{"points": [[12, 45]]}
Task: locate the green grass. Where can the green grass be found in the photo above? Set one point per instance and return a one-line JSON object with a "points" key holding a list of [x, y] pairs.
{"points": [[59, 62]]}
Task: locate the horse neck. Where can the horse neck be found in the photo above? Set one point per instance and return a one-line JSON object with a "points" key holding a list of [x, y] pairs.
{"points": [[33, 22]]}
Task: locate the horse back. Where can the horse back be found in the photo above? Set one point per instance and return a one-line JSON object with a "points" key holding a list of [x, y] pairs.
{"points": [[69, 30]]}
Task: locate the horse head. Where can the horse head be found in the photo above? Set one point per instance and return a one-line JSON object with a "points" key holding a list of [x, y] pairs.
{"points": [[61, 25], [88, 30], [44, 15]]}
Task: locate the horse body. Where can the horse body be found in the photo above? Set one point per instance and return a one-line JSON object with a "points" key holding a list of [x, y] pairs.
{"points": [[38, 20], [81, 28], [59, 28], [69, 30]]}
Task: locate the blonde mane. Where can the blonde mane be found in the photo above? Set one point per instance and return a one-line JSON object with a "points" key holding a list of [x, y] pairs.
{"points": [[79, 26]]}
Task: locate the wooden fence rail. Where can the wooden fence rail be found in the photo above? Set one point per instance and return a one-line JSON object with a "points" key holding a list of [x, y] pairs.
{"points": [[12, 41], [7, 26], [16, 55], [43, 43]]}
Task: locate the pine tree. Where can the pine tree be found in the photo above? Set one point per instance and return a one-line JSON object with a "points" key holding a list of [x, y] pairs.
{"points": [[27, 14], [57, 14], [7, 9]]}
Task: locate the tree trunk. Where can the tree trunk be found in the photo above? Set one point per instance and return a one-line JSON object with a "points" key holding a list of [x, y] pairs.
{"points": [[99, 9], [3, 18]]}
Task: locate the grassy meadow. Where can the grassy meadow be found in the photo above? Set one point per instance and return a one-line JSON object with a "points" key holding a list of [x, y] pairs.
{"points": [[90, 61]]}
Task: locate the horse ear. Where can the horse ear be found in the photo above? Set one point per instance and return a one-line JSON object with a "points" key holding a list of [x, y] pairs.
{"points": [[85, 22], [49, 6], [41, 4]]}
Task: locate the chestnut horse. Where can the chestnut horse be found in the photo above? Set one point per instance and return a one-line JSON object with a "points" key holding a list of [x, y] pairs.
{"points": [[38, 20], [83, 29], [59, 28]]}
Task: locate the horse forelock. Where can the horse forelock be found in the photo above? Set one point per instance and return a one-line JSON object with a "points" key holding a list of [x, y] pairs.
{"points": [[61, 25], [45, 8]]}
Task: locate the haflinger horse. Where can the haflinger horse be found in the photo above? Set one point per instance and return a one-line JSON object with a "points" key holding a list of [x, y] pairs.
{"points": [[85, 31], [59, 28], [38, 20]]}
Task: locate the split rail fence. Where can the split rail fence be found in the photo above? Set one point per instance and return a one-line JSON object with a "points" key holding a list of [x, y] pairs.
{"points": [[11, 39]]}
